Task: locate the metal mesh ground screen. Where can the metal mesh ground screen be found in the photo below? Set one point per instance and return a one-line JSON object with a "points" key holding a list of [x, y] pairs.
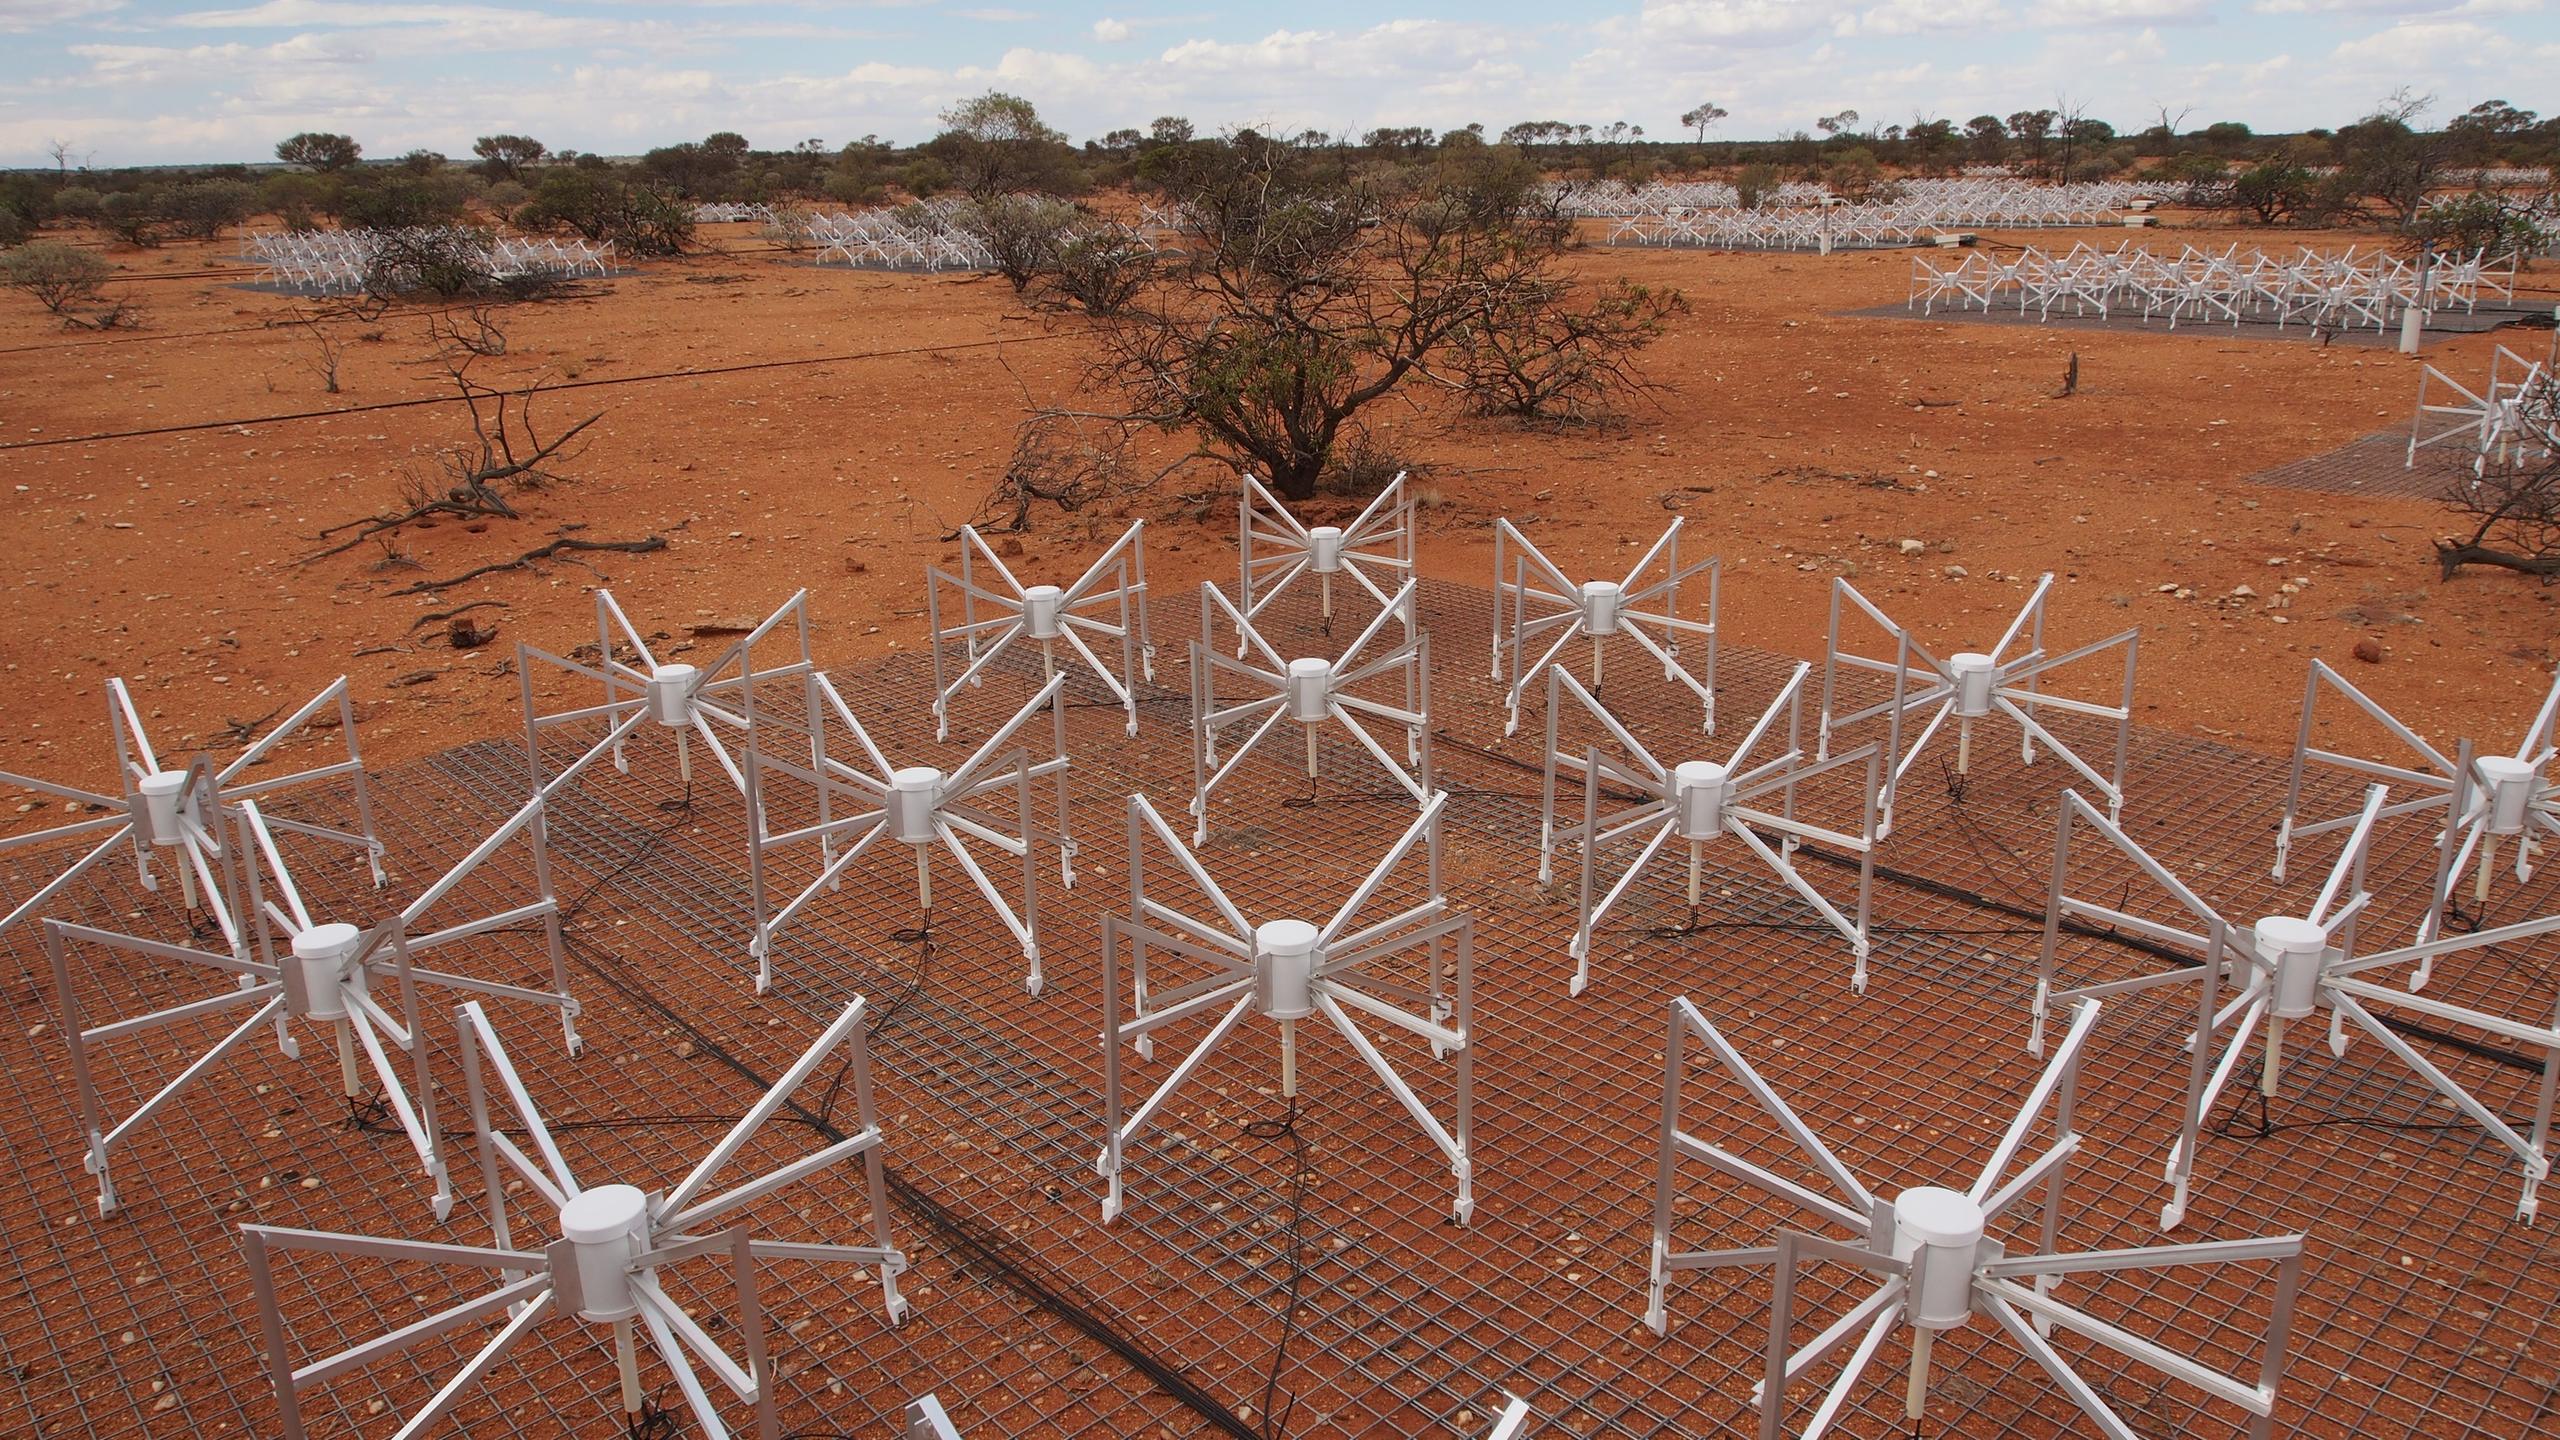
{"points": [[2426, 1310]]}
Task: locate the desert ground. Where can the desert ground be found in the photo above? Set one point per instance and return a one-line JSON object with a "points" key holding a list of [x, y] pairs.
{"points": [[786, 426]]}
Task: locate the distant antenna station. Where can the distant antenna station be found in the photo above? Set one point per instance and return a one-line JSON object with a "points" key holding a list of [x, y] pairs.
{"points": [[2283, 970], [312, 969], [1311, 691], [1108, 602], [1697, 802], [1970, 686], [921, 807], [1535, 605], [613, 1243], [1374, 554], [1289, 970], [2478, 802], [1933, 1263], [182, 810]]}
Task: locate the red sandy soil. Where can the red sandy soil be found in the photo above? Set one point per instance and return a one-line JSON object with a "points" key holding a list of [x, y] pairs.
{"points": [[1801, 444]]}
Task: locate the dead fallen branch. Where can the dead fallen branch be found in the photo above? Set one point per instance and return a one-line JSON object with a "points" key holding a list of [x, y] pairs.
{"points": [[433, 616], [566, 544]]}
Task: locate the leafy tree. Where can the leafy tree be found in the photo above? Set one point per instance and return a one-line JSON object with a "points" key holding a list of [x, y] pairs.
{"points": [[2274, 191], [1987, 138], [1702, 116], [996, 144], [319, 150], [1835, 126], [2226, 137], [508, 157], [2033, 130], [1305, 298], [2386, 157], [1170, 130], [398, 200]]}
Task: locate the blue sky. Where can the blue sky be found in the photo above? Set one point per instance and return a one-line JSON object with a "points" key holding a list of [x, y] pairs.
{"points": [[141, 82]]}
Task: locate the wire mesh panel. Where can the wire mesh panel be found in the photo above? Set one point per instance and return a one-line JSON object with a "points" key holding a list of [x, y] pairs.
{"points": [[1277, 1272]]}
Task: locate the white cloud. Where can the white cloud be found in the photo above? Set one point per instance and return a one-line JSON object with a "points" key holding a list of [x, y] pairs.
{"points": [[1110, 31], [1730, 22], [2103, 14], [22, 15], [1919, 17]]}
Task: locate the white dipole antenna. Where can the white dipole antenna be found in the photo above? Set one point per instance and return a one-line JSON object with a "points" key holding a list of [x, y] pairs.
{"points": [[1287, 970], [921, 807], [1933, 1264], [1970, 686], [183, 809], [1311, 691], [2477, 802], [2285, 969], [927, 1420], [1535, 605], [1113, 589], [1698, 802], [689, 701], [1276, 551], [613, 1242], [303, 968]]}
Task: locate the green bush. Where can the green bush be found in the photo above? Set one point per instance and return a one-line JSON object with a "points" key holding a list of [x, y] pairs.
{"points": [[600, 205], [204, 208], [55, 273], [132, 216], [76, 203]]}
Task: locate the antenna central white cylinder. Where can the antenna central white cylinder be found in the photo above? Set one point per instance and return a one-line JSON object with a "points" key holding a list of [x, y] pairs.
{"points": [[1948, 1225], [2295, 947], [1974, 676], [915, 792], [1310, 690], [320, 953], [1324, 549], [671, 695], [2510, 785], [163, 803], [606, 1227], [1699, 790], [1042, 609], [1600, 601], [1286, 950]]}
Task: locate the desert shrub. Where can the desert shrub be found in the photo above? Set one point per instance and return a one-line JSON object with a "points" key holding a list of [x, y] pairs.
{"points": [[2273, 192], [1023, 233], [1548, 353], [1853, 174], [2477, 222], [55, 273], [447, 262], [398, 200], [132, 216], [925, 177], [76, 203], [1754, 183], [600, 205], [1098, 268], [204, 208], [298, 199], [13, 230], [790, 227], [319, 150], [506, 196]]}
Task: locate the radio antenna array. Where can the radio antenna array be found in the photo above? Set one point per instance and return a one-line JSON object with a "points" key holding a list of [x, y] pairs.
{"points": [[1930, 1258], [1108, 602], [1289, 970], [2479, 802], [613, 1243], [1311, 691], [1534, 605], [1698, 802], [1374, 553], [2282, 970], [1970, 686], [309, 968], [921, 807], [183, 810]]}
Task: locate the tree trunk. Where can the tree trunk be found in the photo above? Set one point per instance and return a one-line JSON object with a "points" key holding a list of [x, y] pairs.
{"points": [[2452, 557]]}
